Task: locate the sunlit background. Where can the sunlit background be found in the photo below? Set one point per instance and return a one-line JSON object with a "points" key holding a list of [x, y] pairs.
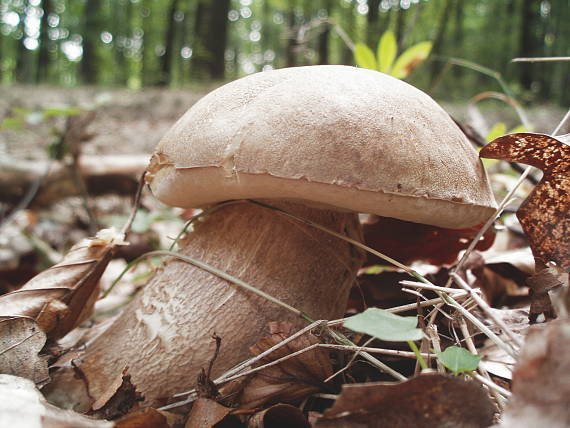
{"points": [[141, 43]]}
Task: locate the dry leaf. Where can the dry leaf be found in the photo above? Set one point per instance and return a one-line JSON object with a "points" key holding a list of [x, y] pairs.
{"points": [[279, 415], [541, 283], [20, 342], [544, 215], [541, 381], [61, 297], [289, 381], [406, 241], [426, 401], [495, 360], [147, 418], [206, 413], [118, 400], [22, 405]]}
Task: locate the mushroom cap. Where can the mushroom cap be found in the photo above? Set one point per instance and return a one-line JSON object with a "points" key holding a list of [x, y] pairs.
{"points": [[336, 137]]}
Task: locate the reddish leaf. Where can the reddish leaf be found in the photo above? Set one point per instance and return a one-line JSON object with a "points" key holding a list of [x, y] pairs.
{"points": [[545, 214], [61, 297], [425, 401], [406, 241]]}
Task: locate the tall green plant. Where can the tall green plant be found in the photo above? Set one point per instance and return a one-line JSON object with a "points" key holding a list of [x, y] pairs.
{"points": [[386, 59]]}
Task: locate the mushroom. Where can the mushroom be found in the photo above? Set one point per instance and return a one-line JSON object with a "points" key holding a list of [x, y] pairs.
{"points": [[322, 142]]}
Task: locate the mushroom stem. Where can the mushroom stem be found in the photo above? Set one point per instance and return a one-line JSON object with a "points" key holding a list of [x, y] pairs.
{"points": [[164, 336]]}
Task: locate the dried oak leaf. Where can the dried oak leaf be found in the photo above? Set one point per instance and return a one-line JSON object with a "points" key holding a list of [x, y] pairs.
{"points": [[150, 418], [22, 405], [541, 380], [279, 415], [289, 381], [20, 342], [61, 297], [427, 401], [407, 242], [545, 214], [206, 413]]}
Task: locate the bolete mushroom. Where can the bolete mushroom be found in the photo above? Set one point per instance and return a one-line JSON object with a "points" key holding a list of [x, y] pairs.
{"points": [[323, 142]]}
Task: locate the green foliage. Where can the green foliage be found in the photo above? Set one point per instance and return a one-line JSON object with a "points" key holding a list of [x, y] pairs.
{"points": [[458, 360], [385, 59], [364, 56], [385, 325], [22, 117]]}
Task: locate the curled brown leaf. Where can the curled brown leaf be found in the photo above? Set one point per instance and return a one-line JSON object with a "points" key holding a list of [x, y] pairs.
{"points": [[61, 297], [545, 214]]}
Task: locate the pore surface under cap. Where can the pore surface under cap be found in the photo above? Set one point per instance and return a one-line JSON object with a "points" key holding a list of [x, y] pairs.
{"points": [[332, 136]]}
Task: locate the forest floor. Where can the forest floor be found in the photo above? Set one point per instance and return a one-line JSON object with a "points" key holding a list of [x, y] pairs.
{"points": [[134, 121]]}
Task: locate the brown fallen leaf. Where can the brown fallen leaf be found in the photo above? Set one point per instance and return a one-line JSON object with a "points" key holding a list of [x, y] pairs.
{"points": [[407, 242], [279, 415], [20, 342], [22, 405], [427, 401], [545, 214], [149, 418], [206, 413], [61, 297], [121, 397], [541, 284], [541, 381], [289, 381]]}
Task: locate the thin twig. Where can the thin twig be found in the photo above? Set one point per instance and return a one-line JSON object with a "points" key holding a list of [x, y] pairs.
{"points": [[487, 309], [471, 347], [543, 59]]}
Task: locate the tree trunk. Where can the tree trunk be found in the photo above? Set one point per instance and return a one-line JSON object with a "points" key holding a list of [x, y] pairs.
{"points": [[91, 29], [211, 39], [372, 23], [291, 47], [323, 45], [45, 44], [439, 38], [169, 42], [528, 40]]}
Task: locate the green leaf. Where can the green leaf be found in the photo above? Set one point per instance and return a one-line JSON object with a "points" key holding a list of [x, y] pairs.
{"points": [[61, 111], [410, 59], [458, 359], [12, 123], [385, 325], [364, 56], [386, 52], [498, 130]]}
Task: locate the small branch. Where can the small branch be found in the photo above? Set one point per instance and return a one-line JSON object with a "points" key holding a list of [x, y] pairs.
{"points": [[543, 59]]}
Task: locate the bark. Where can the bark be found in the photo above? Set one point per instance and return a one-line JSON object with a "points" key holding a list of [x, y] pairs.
{"points": [[164, 336], [373, 28], [211, 38], [166, 60], [440, 36], [102, 175], [291, 47], [91, 27], [45, 45], [324, 37]]}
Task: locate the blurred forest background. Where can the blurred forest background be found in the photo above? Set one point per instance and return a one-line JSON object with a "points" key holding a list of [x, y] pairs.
{"points": [[180, 43]]}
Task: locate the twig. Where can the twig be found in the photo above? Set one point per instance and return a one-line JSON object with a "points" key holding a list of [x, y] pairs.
{"points": [[487, 309], [543, 59], [485, 375]]}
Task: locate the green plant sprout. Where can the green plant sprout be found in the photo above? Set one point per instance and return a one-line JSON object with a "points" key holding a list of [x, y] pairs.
{"points": [[386, 59], [390, 327]]}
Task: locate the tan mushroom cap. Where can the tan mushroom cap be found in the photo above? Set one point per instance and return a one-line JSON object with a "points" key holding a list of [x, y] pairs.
{"points": [[329, 136]]}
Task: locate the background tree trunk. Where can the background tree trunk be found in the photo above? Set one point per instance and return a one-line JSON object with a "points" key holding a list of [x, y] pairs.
{"points": [[91, 29]]}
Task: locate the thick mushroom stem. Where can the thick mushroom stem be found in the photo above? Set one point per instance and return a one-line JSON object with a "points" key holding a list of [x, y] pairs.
{"points": [[164, 336]]}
